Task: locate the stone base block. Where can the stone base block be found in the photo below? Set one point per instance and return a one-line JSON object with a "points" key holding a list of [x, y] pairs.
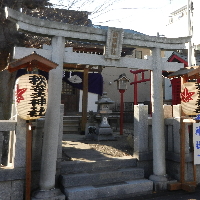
{"points": [[91, 131], [54, 194], [159, 182], [116, 191], [105, 134]]}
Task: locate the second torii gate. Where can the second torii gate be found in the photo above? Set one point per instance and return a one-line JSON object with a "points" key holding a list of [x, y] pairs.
{"points": [[113, 39]]}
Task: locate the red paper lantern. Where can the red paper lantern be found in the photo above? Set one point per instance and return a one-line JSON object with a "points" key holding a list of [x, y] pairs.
{"points": [[31, 96]]}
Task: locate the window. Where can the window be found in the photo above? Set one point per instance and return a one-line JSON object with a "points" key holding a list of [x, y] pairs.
{"points": [[138, 54], [67, 89]]}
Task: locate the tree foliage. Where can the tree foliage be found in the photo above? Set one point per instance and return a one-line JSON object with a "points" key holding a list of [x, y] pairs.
{"points": [[9, 37], [98, 7]]}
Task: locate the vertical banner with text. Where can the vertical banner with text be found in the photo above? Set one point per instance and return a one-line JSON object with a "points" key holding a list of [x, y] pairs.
{"points": [[196, 142]]}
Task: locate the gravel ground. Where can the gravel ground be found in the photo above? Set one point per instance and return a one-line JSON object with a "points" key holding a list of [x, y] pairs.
{"points": [[77, 147], [116, 148]]}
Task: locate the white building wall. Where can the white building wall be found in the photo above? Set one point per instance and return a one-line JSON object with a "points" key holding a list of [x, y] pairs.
{"points": [[167, 89], [91, 101], [196, 22], [112, 73], [178, 23]]}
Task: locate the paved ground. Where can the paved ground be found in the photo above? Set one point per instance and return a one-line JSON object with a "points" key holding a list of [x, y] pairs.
{"points": [[169, 195], [75, 147]]}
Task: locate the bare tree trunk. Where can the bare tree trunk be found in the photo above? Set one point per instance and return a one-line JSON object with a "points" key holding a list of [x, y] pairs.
{"points": [[7, 81]]}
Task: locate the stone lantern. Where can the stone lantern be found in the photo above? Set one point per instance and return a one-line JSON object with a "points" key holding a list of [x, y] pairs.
{"points": [[105, 132]]}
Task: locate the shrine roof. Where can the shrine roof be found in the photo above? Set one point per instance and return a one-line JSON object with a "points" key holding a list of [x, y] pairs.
{"points": [[31, 61], [180, 72], [183, 58], [125, 30], [189, 72]]}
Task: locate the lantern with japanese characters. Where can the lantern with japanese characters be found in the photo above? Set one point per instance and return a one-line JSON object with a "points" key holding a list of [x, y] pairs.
{"points": [[31, 96], [190, 98]]}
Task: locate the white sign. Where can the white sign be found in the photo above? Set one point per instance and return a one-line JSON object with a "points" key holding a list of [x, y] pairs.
{"points": [[196, 142]]}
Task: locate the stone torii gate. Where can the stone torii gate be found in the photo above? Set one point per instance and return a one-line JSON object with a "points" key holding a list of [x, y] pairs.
{"points": [[113, 39]]}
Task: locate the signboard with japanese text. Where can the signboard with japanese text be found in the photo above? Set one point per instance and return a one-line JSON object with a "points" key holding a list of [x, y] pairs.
{"points": [[196, 142], [31, 96], [190, 98], [114, 43]]}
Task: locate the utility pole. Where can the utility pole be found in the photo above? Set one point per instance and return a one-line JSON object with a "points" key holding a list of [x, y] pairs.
{"points": [[191, 56]]}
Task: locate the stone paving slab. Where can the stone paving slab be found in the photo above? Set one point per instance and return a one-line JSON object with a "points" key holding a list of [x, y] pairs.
{"points": [[167, 195], [106, 191]]}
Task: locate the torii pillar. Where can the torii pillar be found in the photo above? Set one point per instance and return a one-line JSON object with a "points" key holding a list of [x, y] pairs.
{"points": [[50, 140], [159, 165]]}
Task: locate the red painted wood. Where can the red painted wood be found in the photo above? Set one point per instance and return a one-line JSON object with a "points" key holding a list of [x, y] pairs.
{"points": [[121, 111]]}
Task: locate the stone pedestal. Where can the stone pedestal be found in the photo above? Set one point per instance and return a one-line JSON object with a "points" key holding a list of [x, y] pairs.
{"points": [[53, 194], [105, 132], [91, 127], [160, 182], [141, 141], [91, 131]]}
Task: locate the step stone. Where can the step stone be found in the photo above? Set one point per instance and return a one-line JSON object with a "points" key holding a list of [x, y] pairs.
{"points": [[71, 120], [132, 188], [84, 179], [71, 131], [65, 123], [73, 167], [71, 124], [69, 128]]}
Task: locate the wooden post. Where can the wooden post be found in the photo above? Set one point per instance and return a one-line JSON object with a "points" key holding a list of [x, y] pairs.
{"points": [[182, 151], [182, 142], [135, 90], [84, 99], [28, 159], [121, 111], [187, 186]]}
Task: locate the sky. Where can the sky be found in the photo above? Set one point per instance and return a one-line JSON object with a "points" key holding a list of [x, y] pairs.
{"points": [[145, 16]]}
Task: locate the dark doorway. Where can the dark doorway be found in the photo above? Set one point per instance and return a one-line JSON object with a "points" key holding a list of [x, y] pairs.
{"points": [[70, 98]]}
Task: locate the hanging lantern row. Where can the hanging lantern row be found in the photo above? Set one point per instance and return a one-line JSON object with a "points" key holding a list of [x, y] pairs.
{"points": [[31, 96]]}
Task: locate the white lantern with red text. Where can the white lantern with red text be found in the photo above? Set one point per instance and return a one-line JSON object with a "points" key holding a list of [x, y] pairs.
{"points": [[31, 96]]}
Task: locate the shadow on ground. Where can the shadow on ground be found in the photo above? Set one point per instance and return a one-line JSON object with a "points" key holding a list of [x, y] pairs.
{"points": [[77, 147]]}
